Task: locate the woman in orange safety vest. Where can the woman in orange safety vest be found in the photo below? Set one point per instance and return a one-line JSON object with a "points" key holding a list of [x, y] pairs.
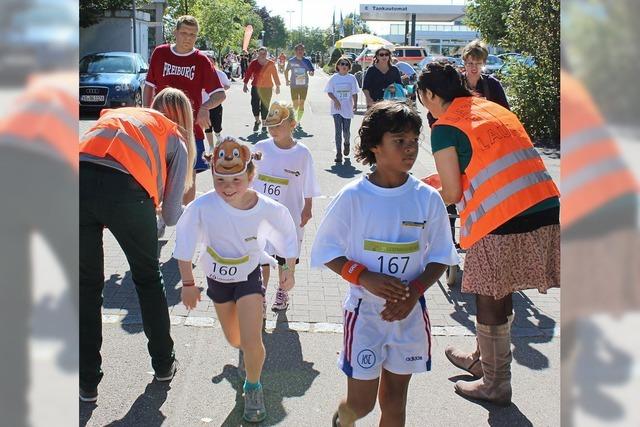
{"points": [[509, 211], [132, 161]]}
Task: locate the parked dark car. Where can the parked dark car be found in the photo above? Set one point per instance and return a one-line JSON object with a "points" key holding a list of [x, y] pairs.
{"points": [[111, 80]]}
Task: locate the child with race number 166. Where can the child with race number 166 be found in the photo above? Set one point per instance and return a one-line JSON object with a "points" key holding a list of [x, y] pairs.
{"points": [[387, 234], [286, 174]]}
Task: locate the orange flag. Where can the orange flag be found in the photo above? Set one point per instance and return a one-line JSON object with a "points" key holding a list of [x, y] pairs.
{"points": [[248, 30]]}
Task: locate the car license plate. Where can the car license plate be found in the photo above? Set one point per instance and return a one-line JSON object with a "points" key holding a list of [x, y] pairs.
{"points": [[92, 98]]}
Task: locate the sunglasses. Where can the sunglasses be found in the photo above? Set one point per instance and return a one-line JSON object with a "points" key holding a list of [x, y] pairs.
{"points": [[383, 54], [346, 64]]}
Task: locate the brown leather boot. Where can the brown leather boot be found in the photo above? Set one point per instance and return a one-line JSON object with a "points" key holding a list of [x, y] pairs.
{"points": [[469, 362], [495, 385]]}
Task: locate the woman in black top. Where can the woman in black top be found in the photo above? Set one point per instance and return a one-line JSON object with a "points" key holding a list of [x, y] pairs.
{"points": [[379, 76], [475, 56]]}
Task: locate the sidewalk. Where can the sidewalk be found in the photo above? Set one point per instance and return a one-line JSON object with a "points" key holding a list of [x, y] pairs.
{"points": [[318, 293], [302, 384]]}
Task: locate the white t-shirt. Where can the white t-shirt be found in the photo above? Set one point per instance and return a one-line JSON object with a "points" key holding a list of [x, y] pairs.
{"points": [[233, 237], [287, 176], [224, 81], [343, 88], [396, 231]]}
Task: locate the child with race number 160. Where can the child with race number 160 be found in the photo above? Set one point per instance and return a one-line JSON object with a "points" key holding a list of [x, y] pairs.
{"points": [[387, 234], [286, 174], [235, 223]]}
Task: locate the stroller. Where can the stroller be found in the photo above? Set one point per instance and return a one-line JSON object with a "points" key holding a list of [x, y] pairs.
{"points": [[453, 271], [395, 92]]}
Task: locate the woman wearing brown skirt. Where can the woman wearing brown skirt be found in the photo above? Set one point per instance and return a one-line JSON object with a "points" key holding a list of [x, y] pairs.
{"points": [[509, 211]]}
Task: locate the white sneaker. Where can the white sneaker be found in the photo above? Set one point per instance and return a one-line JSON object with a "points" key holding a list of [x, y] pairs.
{"points": [[282, 301]]}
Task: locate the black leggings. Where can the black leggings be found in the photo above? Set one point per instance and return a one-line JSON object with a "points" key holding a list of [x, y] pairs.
{"points": [[215, 115], [260, 101], [491, 311]]}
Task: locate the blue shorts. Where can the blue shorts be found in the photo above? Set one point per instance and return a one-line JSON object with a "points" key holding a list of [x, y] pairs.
{"points": [[201, 164], [221, 293]]}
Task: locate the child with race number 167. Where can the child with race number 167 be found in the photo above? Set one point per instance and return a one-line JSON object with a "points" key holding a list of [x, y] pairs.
{"points": [[387, 234]]}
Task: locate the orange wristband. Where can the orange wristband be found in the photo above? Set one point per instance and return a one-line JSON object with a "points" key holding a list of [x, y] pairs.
{"points": [[351, 271], [188, 284], [418, 286]]}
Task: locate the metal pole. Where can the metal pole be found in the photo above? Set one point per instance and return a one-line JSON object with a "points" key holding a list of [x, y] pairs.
{"points": [[290, 12], [301, 6], [413, 29], [133, 20], [406, 32]]}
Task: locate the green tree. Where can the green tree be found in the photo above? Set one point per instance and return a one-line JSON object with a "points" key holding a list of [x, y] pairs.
{"points": [[90, 11], [275, 31], [533, 28], [222, 22], [314, 39], [489, 17], [354, 25]]}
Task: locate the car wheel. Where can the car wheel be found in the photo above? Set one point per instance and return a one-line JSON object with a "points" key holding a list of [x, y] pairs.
{"points": [[137, 99]]}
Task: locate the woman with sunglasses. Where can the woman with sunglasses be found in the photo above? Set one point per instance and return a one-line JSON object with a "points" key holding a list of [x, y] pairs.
{"points": [[379, 76]]}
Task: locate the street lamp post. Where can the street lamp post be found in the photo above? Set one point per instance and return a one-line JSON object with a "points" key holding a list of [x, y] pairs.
{"points": [[290, 11], [262, 38], [301, 4]]}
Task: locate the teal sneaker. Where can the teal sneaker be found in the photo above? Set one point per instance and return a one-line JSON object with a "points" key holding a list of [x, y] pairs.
{"points": [[254, 409]]}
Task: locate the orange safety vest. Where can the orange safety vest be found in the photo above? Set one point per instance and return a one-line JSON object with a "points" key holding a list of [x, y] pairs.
{"points": [[505, 175], [593, 172], [46, 117], [136, 138]]}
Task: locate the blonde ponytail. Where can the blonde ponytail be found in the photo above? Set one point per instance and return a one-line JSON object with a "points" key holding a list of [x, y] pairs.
{"points": [[175, 105]]}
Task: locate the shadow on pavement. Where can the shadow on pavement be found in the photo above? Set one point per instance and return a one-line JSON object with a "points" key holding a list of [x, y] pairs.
{"points": [[146, 408], [118, 295], [285, 374], [254, 137], [344, 170], [499, 416], [464, 311], [589, 349]]}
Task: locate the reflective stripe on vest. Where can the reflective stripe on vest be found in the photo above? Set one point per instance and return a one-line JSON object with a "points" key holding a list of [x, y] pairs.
{"points": [[593, 172], [501, 195], [583, 138], [154, 146], [48, 118], [493, 169], [137, 139], [505, 175]]}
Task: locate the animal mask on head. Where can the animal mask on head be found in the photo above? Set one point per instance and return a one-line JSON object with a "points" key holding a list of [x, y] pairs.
{"points": [[230, 158], [278, 113]]}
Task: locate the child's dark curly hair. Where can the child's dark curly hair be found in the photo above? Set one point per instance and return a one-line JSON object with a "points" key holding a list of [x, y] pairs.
{"points": [[384, 116]]}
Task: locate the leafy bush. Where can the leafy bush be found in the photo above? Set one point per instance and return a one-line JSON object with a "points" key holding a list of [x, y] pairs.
{"points": [[535, 99]]}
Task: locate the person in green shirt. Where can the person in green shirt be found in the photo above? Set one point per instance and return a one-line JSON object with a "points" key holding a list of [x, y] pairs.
{"points": [[521, 253]]}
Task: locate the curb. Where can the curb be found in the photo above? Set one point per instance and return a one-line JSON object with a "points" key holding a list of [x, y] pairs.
{"points": [[321, 327]]}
